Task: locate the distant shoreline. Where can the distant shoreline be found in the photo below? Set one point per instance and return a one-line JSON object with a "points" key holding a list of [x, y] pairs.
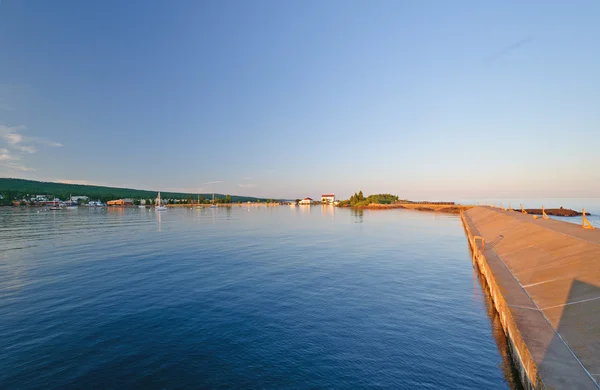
{"points": [[204, 205], [439, 208]]}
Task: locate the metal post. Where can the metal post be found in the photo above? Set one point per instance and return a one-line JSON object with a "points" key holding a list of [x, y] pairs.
{"points": [[585, 223], [544, 215]]}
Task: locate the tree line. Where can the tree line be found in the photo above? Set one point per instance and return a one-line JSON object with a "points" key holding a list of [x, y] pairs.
{"points": [[17, 189], [359, 200]]}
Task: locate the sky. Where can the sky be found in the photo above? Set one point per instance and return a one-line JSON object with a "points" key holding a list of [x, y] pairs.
{"points": [[286, 99]]}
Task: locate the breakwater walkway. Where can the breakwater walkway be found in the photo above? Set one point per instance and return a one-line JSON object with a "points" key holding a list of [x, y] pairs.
{"points": [[544, 279]]}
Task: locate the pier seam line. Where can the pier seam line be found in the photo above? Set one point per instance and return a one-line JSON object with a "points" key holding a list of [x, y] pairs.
{"points": [[545, 281], [544, 316], [523, 307], [571, 303]]}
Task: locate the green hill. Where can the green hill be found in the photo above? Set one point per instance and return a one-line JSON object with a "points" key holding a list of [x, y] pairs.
{"points": [[11, 189]]}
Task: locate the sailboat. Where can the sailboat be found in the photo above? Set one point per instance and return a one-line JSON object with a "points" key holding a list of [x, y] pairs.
{"points": [[55, 206], [159, 207], [198, 206], [141, 206], [213, 205]]}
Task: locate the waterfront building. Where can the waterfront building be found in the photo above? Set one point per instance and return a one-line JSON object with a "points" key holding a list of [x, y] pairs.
{"points": [[306, 201], [328, 198], [120, 202]]}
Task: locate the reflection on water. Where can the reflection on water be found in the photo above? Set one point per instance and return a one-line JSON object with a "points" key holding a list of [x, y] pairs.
{"points": [[328, 210], [115, 210], [249, 298], [358, 215], [158, 219], [509, 370]]}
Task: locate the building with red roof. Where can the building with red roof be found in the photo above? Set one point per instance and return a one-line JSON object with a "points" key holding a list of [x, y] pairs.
{"points": [[306, 201], [328, 198]]}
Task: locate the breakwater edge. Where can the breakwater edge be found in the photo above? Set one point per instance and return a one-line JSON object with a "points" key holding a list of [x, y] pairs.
{"points": [[540, 274]]}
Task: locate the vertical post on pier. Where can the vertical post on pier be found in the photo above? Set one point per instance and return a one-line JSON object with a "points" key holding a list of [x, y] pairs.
{"points": [[482, 241], [585, 223], [522, 209], [544, 215], [510, 207]]}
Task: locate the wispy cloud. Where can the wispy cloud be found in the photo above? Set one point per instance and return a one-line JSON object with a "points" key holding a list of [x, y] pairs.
{"points": [[27, 149], [6, 107], [15, 142], [246, 185], [15, 139], [215, 182], [45, 142], [15, 166], [507, 50], [10, 134], [11, 161], [6, 156]]}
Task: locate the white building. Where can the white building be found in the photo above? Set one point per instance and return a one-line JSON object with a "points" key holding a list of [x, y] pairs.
{"points": [[328, 198], [306, 201]]}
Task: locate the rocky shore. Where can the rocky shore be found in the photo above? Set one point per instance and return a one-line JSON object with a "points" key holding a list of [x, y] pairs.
{"points": [[560, 212]]}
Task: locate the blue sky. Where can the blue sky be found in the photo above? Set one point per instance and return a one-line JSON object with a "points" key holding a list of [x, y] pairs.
{"points": [[424, 99]]}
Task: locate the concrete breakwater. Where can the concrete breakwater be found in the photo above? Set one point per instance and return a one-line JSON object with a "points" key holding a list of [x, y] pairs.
{"points": [[544, 280], [440, 207]]}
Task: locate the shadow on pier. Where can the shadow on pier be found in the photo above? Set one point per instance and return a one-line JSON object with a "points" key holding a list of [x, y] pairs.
{"points": [[579, 331]]}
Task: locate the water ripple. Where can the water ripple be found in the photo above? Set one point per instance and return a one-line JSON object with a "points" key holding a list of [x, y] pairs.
{"points": [[242, 298]]}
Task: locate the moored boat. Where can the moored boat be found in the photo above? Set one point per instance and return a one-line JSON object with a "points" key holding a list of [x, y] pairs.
{"points": [[159, 206]]}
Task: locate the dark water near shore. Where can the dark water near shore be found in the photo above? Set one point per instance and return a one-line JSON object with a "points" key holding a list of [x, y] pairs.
{"points": [[243, 298]]}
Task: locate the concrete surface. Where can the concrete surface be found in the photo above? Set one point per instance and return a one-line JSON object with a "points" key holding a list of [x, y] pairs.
{"points": [[545, 279]]}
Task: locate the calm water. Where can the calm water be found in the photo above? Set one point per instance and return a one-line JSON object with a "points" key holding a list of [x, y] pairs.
{"points": [[243, 298]]}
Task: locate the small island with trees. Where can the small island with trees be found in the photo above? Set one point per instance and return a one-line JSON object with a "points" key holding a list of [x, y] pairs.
{"points": [[389, 201]]}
